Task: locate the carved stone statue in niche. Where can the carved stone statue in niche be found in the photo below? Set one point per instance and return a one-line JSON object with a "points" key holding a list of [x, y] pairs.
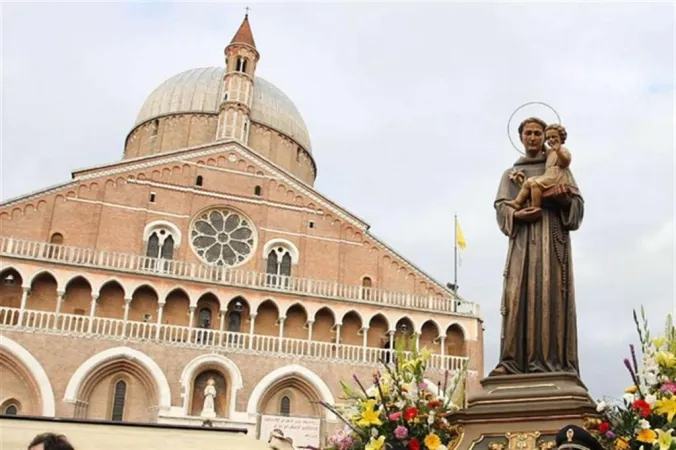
{"points": [[539, 331], [203, 396], [208, 410]]}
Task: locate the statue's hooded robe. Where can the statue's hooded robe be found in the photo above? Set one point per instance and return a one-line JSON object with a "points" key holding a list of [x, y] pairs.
{"points": [[539, 331]]}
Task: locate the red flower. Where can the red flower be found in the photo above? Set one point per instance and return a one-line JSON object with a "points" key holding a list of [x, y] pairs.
{"points": [[414, 444], [410, 413], [642, 407], [604, 427], [433, 404]]}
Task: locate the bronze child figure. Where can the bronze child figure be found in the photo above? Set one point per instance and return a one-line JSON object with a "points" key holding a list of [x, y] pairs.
{"points": [[556, 170]]}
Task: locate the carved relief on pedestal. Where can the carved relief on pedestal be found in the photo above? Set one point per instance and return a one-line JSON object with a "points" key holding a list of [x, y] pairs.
{"points": [[522, 441]]}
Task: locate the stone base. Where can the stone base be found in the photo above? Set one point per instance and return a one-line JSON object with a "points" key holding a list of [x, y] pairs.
{"points": [[523, 411]]}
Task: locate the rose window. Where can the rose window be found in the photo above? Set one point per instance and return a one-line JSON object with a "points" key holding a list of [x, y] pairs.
{"points": [[222, 237]]}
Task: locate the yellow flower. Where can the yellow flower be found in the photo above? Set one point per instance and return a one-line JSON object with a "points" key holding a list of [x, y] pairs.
{"points": [[666, 406], [664, 439], [659, 342], [369, 416], [432, 441], [666, 359], [621, 444], [647, 436], [631, 390], [376, 444]]}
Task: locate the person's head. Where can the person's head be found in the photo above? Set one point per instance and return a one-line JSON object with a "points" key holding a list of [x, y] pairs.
{"points": [[532, 135], [556, 133], [50, 441], [572, 437]]}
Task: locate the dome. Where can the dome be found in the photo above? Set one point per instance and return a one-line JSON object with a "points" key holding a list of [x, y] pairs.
{"points": [[200, 91]]}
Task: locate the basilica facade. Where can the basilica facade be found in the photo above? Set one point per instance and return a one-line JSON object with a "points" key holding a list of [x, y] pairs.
{"points": [[206, 258]]}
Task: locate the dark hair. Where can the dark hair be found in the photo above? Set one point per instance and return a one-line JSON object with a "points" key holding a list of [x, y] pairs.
{"points": [[532, 120], [51, 441]]}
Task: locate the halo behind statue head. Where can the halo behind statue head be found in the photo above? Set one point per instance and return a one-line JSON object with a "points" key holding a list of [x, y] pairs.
{"points": [[525, 115]]}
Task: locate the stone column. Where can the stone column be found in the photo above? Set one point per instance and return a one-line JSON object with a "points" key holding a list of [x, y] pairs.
{"points": [[364, 341], [191, 311], [92, 311], [222, 326], [310, 323], [252, 322], [24, 299], [281, 333], [160, 310], [127, 303], [59, 300], [417, 341], [442, 345], [337, 348]]}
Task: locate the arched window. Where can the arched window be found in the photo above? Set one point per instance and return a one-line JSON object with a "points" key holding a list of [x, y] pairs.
{"points": [[199, 181], [205, 318], [366, 285], [241, 64], [257, 191], [285, 266], [154, 128], [285, 406], [279, 262], [160, 244], [57, 238], [118, 400], [245, 134], [11, 410]]}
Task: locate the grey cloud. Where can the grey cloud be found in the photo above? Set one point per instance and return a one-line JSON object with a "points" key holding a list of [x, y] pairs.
{"points": [[406, 106]]}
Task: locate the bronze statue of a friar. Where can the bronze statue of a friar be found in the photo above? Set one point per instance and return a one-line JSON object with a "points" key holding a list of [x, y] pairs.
{"points": [[538, 204]]}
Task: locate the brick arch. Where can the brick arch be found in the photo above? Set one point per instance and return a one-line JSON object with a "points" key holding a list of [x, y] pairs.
{"points": [[419, 328], [40, 272], [96, 289], [291, 371], [141, 364], [196, 298], [11, 294], [173, 289], [33, 368]]}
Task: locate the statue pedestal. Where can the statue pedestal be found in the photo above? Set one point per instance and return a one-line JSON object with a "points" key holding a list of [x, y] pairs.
{"points": [[524, 411], [208, 413]]}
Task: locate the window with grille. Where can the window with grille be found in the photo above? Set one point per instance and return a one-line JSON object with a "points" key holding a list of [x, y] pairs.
{"points": [[118, 400], [285, 406], [11, 410], [160, 245]]}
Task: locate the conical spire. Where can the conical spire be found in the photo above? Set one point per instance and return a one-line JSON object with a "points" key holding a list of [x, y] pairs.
{"points": [[244, 34]]}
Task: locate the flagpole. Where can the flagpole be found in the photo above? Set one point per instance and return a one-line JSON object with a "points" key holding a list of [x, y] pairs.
{"points": [[455, 255]]}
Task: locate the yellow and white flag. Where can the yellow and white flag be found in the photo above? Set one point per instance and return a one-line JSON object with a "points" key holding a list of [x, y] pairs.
{"points": [[459, 240], [459, 237]]}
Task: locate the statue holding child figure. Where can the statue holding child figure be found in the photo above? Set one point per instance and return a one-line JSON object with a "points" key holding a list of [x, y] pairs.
{"points": [[538, 204]]}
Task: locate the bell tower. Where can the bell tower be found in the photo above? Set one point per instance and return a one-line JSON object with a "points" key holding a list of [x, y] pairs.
{"points": [[234, 113]]}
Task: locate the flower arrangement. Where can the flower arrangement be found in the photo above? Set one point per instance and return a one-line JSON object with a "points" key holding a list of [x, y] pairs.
{"points": [[400, 411], [644, 419]]}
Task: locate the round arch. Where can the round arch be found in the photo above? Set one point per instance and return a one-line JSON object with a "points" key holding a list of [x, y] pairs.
{"points": [[89, 366], [287, 371], [192, 369], [36, 370]]}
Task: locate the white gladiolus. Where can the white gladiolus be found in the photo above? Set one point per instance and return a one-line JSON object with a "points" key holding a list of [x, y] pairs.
{"points": [[601, 406], [629, 398]]}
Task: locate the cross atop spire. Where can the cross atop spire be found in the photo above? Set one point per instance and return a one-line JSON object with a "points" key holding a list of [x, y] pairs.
{"points": [[244, 34], [246, 14]]}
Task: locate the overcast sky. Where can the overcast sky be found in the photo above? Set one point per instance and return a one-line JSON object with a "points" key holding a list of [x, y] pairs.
{"points": [[407, 107]]}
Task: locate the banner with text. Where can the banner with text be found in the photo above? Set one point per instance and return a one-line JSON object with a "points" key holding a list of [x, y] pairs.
{"points": [[304, 431]]}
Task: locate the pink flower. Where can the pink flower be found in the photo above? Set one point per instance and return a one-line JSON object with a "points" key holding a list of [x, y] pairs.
{"points": [[401, 432], [669, 386], [394, 416], [422, 386]]}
